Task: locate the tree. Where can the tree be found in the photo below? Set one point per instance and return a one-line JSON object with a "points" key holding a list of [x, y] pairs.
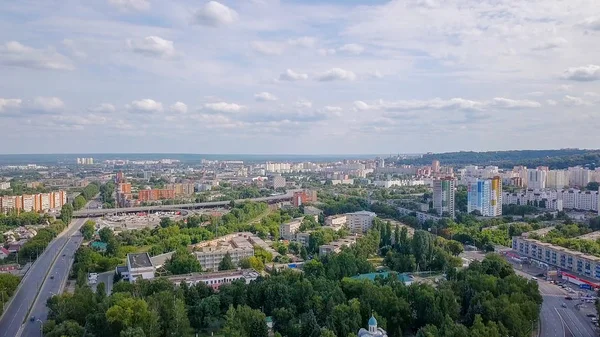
{"points": [[593, 186], [454, 247], [182, 262], [252, 262], [309, 326], [226, 263], [303, 253], [105, 234], [88, 229], [79, 202], [166, 222], [66, 213], [243, 321], [66, 329]]}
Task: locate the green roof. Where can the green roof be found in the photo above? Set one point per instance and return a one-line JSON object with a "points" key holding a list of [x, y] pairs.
{"points": [[99, 245], [385, 274]]}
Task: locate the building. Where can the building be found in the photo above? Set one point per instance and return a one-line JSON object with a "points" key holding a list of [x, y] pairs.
{"points": [[85, 161], [485, 196], [336, 246], [181, 189], [560, 257], [557, 179], [278, 182], [4, 253], [303, 238], [216, 279], [304, 197], [579, 176], [4, 185], [373, 330], [139, 266], [237, 245], [288, 230], [124, 188], [360, 222], [536, 178], [336, 222], [443, 196], [151, 195], [41, 202]]}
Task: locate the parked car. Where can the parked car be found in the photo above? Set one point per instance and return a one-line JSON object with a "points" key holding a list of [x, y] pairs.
{"points": [[568, 298], [32, 319], [591, 315], [564, 305]]}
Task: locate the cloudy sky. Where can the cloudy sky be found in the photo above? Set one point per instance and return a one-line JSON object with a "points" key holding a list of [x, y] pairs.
{"points": [[303, 76]]}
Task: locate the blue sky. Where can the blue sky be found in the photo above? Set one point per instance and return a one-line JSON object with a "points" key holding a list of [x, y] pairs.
{"points": [[269, 76]]}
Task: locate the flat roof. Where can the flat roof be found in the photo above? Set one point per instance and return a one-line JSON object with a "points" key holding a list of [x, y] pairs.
{"points": [[141, 260], [245, 273], [562, 249]]}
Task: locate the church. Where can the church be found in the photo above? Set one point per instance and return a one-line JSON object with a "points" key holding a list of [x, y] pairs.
{"points": [[373, 331]]}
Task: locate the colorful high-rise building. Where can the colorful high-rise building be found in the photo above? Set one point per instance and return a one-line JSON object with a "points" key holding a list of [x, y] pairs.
{"points": [[443, 196], [485, 196]]}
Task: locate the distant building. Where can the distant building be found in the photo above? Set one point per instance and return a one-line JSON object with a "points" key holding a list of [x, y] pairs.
{"points": [[152, 195], [288, 230], [139, 266], [360, 222], [536, 178], [336, 222], [4, 185], [237, 245], [278, 182], [336, 246], [557, 179], [41, 202], [4, 253], [216, 279], [579, 176], [181, 189], [373, 330], [303, 197], [443, 196], [485, 196]]}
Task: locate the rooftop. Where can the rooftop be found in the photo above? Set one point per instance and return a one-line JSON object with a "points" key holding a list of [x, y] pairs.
{"points": [[371, 276], [563, 249], [141, 260], [245, 273]]}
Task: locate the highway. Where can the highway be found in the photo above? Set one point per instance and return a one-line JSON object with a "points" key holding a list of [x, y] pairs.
{"points": [[16, 312], [103, 211], [60, 271]]}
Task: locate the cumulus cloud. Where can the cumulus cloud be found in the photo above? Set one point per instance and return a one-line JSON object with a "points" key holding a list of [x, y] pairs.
{"points": [[333, 110], [336, 74], [574, 101], [304, 41], [215, 14], [551, 102], [352, 48], [303, 104], [104, 108], [152, 46], [44, 105], [265, 96], [16, 54], [145, 106], [179, 107], [224, 107], [592, 23], [360, 105], [447, 104], [326, 52], [126, 5], [9, 104], [501, 102], [290, 75], [267, 48], [551, 44], [587, 73]]}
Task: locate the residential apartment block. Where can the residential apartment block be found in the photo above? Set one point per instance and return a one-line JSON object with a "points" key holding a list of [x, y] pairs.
{"points": [[336, 246], [4, 185], [572, 198], [151, 195], [360, 222], [181, 189], [303, 197], [41, 202], [216, 279], [443, 196], [336, 222], [288, 230], [485, 196], [237, 245], [563, 258]]}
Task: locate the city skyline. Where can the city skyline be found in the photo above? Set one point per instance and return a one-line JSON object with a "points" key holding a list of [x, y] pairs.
{"points": [[297, 77]]}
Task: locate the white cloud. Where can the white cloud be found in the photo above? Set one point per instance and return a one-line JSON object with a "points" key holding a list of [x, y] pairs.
{"points": [[303, 104], [551, 44], [224, 107], [335, 74], [592, 23], [290, 75], [507, 103], [535, 93], [70, 45], [590, 72], [47, 104], [375, 74], [333, 110], [104, 107], [551, 102], [215, 14], [574, 101], [265, 96], [591, 94], [305, 41], [565, 87], [152, 46], [145, 106], [9, 103], [267, 48], [135, 5], [179, 107], [16, 54], [352, 48], [326, 52], [360, 105]]}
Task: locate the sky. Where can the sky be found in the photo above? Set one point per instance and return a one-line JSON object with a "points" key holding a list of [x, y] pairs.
{"points": [[298, 76]]}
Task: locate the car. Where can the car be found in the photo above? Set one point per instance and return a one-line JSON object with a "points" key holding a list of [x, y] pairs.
{"points": [[32, 319], [568, 298], [63, 254], [564, 305], [594, 320], [591, 315], [52, 277], [533, 278]]}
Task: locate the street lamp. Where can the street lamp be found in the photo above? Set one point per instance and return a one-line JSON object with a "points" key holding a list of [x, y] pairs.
{"points": [[41, 327]]}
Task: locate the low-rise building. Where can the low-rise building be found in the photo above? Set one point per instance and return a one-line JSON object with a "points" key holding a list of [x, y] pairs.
{"points": [[288, 230], [303, 238], [4, 253], [216, 279], [336, 246], [139, 266], [237, 245], [361, 221], [336, 222], [4, 185]]}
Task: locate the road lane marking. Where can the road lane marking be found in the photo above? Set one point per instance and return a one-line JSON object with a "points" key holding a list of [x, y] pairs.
{"points": [[577, 323], [564, 323]]}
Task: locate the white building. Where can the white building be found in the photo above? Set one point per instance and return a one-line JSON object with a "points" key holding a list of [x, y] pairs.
{"points": [[278, 182], [4, 185], [139, 266], [216, 279], [579, 176], [237, 245], [405, 182], [288, 230], [557, 179], [336, 222], [443, 196], [373, 330], [536, 178], [360, 222], [336, 246]]}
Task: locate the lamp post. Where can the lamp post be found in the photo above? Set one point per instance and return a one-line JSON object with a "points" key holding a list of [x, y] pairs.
{"points": [[41, 327]]}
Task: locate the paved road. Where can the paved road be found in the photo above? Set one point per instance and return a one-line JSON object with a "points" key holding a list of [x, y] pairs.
{"points": [[15, 314], [53, 286]]}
